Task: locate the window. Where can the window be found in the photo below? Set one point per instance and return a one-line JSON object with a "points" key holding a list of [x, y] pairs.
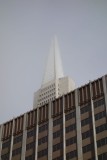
{"points": [[88, 148], [6, 144], [57, 121], [87, 134], [58, 158], [30, 145], [71, 154], [70, 116], [71, 141], [31, 157], [101, 128], [17, 139], [100, 115], [99, 103], [5, 156], [70, 128], [102, 156], [43, 128], [42, 153], [86, 121], [85, 109], [102, 142], [43, 140], [16, 151], [57, 133], [57, 146], [31, 133]]}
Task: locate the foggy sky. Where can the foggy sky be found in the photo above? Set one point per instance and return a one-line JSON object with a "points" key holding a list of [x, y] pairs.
{"points": [[26, 30]]}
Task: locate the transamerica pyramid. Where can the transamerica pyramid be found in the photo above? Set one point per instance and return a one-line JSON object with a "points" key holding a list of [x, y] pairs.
{"points": [[54, 83]]}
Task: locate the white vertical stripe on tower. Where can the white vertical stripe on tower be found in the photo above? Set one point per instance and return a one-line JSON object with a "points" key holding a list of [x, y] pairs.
{"points": [[105, 92], [1, 130], [24, 138], [37, 130], [12, 137], [78, 125], [50, 132], [64, 139], [93, 123]]}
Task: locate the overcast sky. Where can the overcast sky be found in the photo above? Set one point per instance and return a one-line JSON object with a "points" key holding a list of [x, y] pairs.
{"points": [[26, 30]]}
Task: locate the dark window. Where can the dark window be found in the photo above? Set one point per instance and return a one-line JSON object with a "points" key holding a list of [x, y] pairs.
{"points": [[31, 157], [6, 144], [102, 156], [5, 156], [31, 133], [102, 142], [16, 151], [86, 121], [57, 146], [86, 109], [30, 145], [99, 103], [43, 128], [58, 158], [71, 154], [70, 128], [43, 140], [17, 139], [57, 133], [100, 115], [71, 141], [87, 134], [101, 128], [57, 121], [88, 148], [70, 116], [43, 153]]}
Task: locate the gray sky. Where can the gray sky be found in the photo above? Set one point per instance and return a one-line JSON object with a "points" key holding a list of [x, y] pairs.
{"points": [[26, 30]]}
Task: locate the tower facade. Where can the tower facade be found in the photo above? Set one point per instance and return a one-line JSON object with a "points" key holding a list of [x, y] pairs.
{"points": [[54, 83]]}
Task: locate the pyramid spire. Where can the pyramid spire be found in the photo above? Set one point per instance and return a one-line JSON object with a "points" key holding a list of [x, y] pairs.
{"points": [[54, 68]]}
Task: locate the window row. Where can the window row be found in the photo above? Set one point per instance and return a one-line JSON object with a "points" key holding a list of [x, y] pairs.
{"points": [[70, 128], [99, 103], [31, 157], [88, 148], [30, 145], [31, 133], [86, 109], [17, 139], [86, 121], [16, 151], [58, 158], [101, 128], [43, 128], [57, 146], [102, 142], [100, 115], [71, 155], [70, 116], [43, 140], [87, 134], [71, 141], [42, 153], [5, 156], [6, 144], [58, 133], [57, 121], [102, 156]]}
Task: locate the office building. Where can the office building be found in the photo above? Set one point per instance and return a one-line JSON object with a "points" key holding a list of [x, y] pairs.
{"points": [[72, 126]]}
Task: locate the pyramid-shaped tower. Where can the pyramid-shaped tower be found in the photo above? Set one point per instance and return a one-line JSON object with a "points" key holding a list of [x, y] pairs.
{"points": [[54, 83]]}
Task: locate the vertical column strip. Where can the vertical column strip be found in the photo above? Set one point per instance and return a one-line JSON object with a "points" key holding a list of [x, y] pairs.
{"points": [[78, 125], [93, 123], [64, 139], [12, 137], [50, 132], [105, 92], [24, 139], [1, 130], [37, 130]]}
